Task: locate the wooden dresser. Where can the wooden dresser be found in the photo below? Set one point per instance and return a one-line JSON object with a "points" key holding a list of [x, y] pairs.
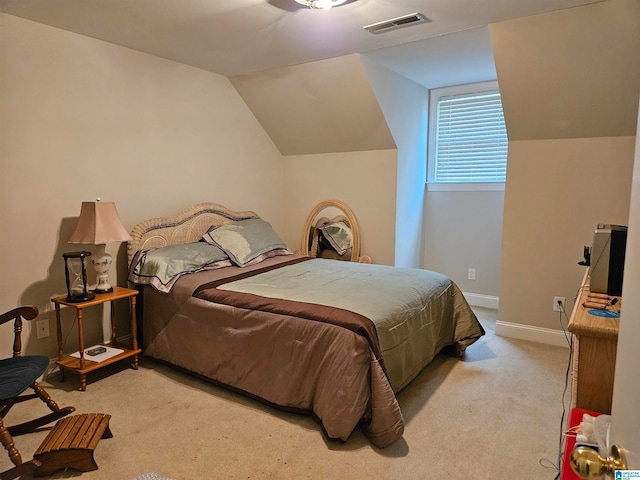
{"points": [[594, 355]]}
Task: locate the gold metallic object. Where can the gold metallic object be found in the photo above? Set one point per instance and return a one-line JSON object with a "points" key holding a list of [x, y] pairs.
{"points": [[587, 463]]}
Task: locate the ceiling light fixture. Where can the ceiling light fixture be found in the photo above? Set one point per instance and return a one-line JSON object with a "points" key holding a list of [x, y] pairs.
{"points": [[323, 4]]}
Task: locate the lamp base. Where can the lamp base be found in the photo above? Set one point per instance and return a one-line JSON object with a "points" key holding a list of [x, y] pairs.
{"points": [[102, 290], [102, 263]]}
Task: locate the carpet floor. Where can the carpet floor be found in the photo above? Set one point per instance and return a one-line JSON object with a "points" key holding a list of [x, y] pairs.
{"points": [[495, 414]]}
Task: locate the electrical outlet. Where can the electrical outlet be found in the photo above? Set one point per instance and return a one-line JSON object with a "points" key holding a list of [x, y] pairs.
{"points": [[556, 300], [42, 328], [471, 274]]}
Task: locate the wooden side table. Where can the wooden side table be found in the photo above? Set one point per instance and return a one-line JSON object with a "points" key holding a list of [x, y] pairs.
{"points": [[84, 365]]}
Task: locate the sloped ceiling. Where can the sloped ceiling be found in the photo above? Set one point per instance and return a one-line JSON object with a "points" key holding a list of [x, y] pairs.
{"points": [[297, 70], [329, 104], [234, 37], [452, 59], [572, 73], [318, 107]]}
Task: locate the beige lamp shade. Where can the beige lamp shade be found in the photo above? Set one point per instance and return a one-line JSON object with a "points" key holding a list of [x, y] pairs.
{"points": [[99, 223]]}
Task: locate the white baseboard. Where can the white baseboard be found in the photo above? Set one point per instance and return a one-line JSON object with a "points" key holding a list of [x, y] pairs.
{"points": [[534, 334], [479, 300], [517, 330]]}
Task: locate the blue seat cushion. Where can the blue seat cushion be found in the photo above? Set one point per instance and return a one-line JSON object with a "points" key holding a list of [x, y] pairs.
{"points": [[17, 373]]}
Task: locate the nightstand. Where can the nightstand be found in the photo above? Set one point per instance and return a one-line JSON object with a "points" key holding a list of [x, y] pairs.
{"points": [[84, 365], [594, 355]]}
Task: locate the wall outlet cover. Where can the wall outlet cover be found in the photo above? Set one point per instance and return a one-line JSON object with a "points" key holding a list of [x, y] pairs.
{"points": [[556, 307], [42, 328]]}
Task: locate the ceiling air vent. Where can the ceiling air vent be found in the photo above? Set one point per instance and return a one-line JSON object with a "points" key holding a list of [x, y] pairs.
{"points": [[388, 25]]}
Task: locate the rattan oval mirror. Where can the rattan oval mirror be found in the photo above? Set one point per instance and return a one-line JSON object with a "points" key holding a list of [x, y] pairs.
{"points": [[332, 231]]}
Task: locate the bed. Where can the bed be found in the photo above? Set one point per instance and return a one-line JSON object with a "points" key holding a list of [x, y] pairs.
{"points": [[336, 340]]}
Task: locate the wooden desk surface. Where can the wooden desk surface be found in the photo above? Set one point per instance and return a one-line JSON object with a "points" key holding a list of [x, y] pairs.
{"points": [[584, 323]]}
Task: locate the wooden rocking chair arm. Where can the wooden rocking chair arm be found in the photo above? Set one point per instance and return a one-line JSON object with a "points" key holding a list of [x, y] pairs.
{"points": [[28, 312]]}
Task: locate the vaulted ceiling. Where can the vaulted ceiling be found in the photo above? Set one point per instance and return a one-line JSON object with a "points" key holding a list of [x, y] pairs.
{"points": [[571, 74], [235, 37], [295, 67]]}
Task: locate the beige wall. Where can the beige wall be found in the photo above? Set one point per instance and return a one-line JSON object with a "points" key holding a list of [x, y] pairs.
{"points": [[444, 231], [404, 104], [82, 118], [366, 181], [569, 85], [464, 230], [557, 192]]}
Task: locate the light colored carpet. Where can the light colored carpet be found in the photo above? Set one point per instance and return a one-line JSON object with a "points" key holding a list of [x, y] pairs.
{"points": [[151, 476], [493, 415]]}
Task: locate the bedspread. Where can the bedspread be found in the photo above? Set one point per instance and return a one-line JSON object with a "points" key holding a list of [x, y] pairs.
{"points": [[342, 373]]}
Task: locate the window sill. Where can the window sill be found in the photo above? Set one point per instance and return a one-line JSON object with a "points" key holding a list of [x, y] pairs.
{"points": [[466, 187]]}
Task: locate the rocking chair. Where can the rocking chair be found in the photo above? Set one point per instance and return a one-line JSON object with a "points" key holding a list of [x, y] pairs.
{"points": [[17, 374]]}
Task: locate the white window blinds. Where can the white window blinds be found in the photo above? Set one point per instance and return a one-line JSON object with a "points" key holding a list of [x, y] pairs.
{"points": [[470, 138]]}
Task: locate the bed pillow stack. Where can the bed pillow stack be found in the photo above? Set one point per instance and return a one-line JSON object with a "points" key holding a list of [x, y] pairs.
{"points": [[247, 242], [161, 267]]}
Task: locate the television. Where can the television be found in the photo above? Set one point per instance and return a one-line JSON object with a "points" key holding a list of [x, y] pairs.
{"points": [[607, 259]]}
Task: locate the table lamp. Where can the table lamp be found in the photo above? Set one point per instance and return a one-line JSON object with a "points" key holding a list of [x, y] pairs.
{"points": [[99, 224]]}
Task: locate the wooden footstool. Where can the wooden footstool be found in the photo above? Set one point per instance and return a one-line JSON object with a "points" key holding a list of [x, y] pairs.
{"points": [[71, 443]]}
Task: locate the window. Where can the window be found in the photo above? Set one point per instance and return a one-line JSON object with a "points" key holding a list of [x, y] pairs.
{"points": [[467, 138]]}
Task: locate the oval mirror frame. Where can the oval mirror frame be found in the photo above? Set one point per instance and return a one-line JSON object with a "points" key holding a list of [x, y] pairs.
{"points": [[351, 219]]}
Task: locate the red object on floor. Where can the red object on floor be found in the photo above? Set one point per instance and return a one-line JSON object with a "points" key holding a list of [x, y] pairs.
{"points": [[575, 417]]}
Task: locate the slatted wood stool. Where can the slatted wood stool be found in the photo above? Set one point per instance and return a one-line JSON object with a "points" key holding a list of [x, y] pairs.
{"points": [[71, 443]]}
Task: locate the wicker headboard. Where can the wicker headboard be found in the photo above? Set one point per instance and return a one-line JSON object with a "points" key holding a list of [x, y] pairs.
{"points": [[185, 227]]}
